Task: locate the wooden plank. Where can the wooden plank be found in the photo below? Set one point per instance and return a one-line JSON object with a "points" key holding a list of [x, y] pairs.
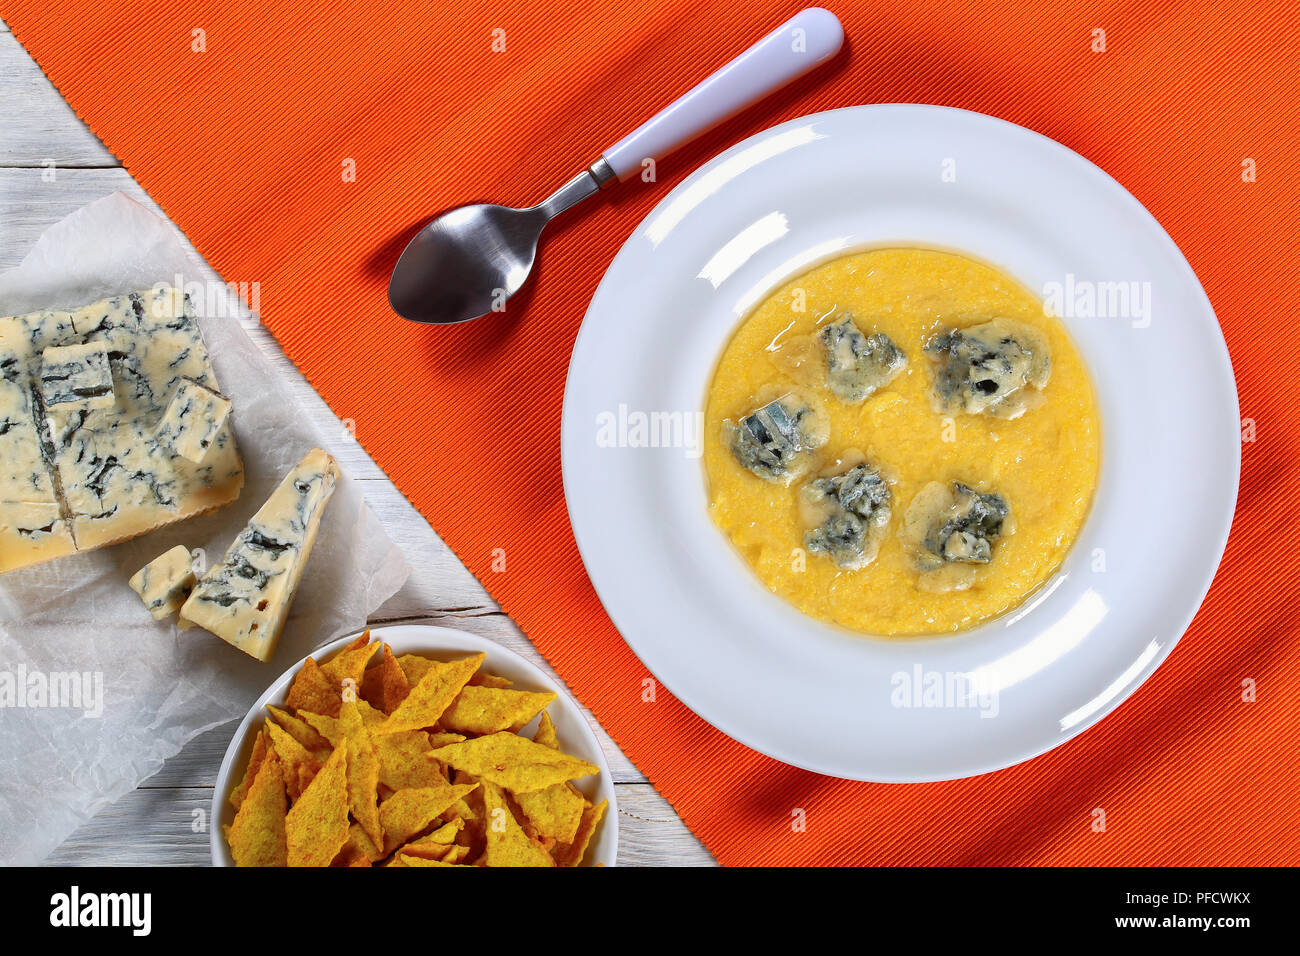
{"points": [[36, 125], [151, 827]]}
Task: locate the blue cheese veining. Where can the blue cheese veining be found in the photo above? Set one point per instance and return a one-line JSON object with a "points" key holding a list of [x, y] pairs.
{"points": [[165, 582], [193, 419], [106, 477], [76, 375], [245, 599]]}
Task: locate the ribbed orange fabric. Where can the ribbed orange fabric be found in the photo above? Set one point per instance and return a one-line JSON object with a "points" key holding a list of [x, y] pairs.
{"points": [[244, 143]]}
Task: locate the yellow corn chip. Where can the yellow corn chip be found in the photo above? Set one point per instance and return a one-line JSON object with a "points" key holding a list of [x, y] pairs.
{"points": [[552, 814], [312, 690], [361, 640], [507, 844], [431, 696], [327, 727], [572, 854], [257, 836], [513, 762], [485, 679], [414, 667], [418, 861], [363, 771], [546, 733], [409, 811], [350, 663], [385, 685], [260, 747], [358, 850], [317, 825], [300, 765], [402, 763], [302, 732], [487, 710]]}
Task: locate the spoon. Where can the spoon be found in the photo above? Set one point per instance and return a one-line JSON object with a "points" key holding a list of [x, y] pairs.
{"points": [[469, 261]]}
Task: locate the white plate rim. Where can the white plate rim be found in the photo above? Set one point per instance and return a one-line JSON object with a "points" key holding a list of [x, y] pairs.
{"points": [[428, 639]]}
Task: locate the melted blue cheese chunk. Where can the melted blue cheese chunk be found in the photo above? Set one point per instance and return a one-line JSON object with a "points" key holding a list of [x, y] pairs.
{"points": [[245, 599], [165, 582], [998, 368], [192, 420], [32, 523], [858, 365], [951, 528], [776, 441], [76, 375], [847, 515]]}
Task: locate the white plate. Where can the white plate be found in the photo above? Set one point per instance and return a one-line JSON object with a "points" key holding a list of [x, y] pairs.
{"points": [[571, 725], [746, 661]]}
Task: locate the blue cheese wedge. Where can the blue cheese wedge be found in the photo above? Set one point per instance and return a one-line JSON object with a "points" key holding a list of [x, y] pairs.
{"points": [[165, 582], [33, 527], [76, 375], [192, 420], [245, 599], [106, 478]]}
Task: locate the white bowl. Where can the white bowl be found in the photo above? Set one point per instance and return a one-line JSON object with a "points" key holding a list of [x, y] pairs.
{"points": [[693, 611], [571, 725]]}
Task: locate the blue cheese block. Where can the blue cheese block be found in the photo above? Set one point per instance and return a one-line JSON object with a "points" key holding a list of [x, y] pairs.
{"points": [[109, 478], [192, 420], [32, 524], [165, 582], [76, 375], [245, 599]]}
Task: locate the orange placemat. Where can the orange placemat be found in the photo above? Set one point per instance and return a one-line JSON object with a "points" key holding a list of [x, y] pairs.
{"points": [[242, 119]]}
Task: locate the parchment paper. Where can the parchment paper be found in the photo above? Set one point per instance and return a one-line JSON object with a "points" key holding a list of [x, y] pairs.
{"points": [[161, 686]]}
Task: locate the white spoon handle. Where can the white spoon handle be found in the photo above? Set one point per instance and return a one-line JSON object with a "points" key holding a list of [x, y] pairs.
{"points": [[809, 38]]}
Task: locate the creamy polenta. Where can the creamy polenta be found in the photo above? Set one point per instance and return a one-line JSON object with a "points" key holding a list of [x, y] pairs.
{"points": [[1042, 462]]}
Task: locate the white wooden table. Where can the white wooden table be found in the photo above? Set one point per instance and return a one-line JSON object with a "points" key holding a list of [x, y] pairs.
{"points": [[50, 164]]}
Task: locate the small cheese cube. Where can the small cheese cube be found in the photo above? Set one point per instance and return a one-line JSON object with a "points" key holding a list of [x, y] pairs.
{"points": [[77, 375], [165, 582], [192, 420]]}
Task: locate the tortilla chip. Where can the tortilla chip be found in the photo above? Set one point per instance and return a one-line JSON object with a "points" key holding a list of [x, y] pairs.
{"points": [[361, 640], [385, 685], [358, 850], [487, 710], [513, 762], [431, 696], [312, 690], [417, 861], [317, 825], [302, 732], [402, 763], [554, 813], [546, 735], [257, 836], [414, 667], [300, 764], [350, 663], [363, 772], [409, 811], [327, 727], [571, 855], [486, 679], [507, 844], [261, 745]]}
